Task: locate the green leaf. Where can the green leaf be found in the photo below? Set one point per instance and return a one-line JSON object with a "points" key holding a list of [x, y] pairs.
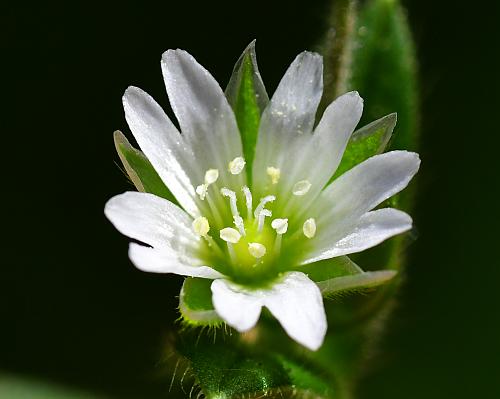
{"points": [[384, 68], [139, 169], [195, 303], [228, 369], [248, 98], [305, 381], [251, 366], [355, 283], [366, 142]]}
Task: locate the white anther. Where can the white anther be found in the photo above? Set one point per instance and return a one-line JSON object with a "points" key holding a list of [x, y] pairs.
{"points": [[238, 222], [232, 200], [274, 174], [248, 200], [257, 250], [236, 165], [309, 228], [261, 217], [262, 204], [230, 235], [211, 176], [280, 225], [301, 187], [201, 226], [201, 190]]}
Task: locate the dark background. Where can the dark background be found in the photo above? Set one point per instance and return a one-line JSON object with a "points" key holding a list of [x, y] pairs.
{"points": [[74, 310]]}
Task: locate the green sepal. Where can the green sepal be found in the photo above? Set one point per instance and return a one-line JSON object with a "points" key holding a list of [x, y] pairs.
{"points": [[139, 169], [248, 98], [330, 268], [195, 303], [366, 142], [355, 283], [341, 275]]}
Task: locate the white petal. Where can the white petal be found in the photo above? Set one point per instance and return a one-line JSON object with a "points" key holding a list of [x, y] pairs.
{"points": [[289, 118], [298, 305], [152, 220], [166, 261], [295, 301], [162, 144], [319, 157], [239, 309], [372, 228], [206, 119], [361, 189]]}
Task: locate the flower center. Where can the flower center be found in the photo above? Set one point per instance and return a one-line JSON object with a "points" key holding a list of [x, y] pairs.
{"points": [[250, 246]]}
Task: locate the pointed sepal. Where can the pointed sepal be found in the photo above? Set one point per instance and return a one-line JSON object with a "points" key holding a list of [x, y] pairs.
{"points": [[366, 142], [195, 303], [248, 98], [139, 169]]}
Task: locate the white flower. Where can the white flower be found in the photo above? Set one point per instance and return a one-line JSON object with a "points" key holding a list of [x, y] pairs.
{"points": [[252, 237]]}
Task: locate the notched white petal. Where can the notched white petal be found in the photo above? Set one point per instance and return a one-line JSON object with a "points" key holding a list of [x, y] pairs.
{"points": [[153, 220], [372, 228], [295, 301], [165, 261], [238, 309]]}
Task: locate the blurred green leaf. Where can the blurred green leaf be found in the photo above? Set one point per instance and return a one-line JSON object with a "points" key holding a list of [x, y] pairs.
{"points": [[15, 387], [248, 97], [370, 140], [384, 68], [337, 49], [139, 169], [195, 302]]}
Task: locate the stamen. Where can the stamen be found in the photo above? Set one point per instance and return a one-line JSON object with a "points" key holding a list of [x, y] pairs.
{"points": [[236, 165], [301, 187], [263, 202], [256, 249], [248, 200], [274, 174], [201, 190], [232, 200], [309, 228], [261, 217], [280, 225], [201, 226], [238, 222], [230, 235], [211, 176]]}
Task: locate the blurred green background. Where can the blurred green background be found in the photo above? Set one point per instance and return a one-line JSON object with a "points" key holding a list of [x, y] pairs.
{"points": [[74, 311]]}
